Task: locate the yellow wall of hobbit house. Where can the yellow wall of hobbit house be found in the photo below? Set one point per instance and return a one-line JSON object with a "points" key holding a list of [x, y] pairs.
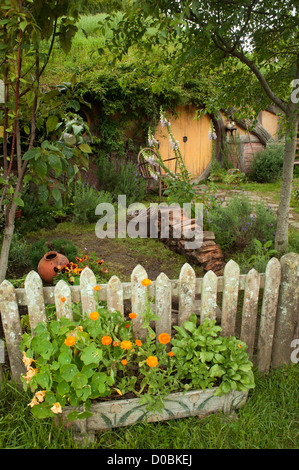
{"points": [[197, 150]]}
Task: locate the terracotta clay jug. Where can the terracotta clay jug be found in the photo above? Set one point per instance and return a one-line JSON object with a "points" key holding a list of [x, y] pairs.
{"points": [[47, 264]]}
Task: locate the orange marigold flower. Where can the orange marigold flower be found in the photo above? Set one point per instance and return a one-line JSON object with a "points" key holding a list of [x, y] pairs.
{"points": [[115, 343], [96, 288], [70, 341], [146, 282], [164, 338], [106, 340], [62, 299], [94, 316], [239, 345], [124, 362], [171, 354], [138, 342], [132, 315], [152, 361], [126, 345]]}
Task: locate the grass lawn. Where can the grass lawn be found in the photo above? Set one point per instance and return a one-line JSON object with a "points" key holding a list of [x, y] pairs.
{"points": [[269, 420]]}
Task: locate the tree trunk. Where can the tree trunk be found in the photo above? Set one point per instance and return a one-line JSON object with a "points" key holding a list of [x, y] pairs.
{"points": [[7, 239], [281, 238]]}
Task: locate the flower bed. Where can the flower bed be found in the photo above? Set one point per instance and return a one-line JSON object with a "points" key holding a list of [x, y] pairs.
{"points": [[90, 368]]}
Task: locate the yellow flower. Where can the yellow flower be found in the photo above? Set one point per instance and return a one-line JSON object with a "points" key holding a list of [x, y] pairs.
{"points": [[30, 373], [118, 391], [27, 360], [70, 341], [56, 408], [239, 345], [152, 361], [164, 338], [96, 288], [40, 395], [33, 402], [94, 316], [126, 345], [106, 340], [146, 282]]}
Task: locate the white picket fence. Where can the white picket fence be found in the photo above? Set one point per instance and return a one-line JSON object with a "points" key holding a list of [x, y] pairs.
{"points": [[269, 344]]}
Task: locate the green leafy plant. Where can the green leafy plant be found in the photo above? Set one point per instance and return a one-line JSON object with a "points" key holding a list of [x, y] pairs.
{"points": [[85, 200], [267, 164], [237, 223], [205, 359], [262, 254]]}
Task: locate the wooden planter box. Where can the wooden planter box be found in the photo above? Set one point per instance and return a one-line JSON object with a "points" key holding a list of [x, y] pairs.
{"points": [[116, 413]]}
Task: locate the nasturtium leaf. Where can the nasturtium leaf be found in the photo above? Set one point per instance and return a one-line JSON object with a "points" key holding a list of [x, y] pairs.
{"points": [[79, 380], [68, 371], [63, 388], [41, 411], [91, 355]]}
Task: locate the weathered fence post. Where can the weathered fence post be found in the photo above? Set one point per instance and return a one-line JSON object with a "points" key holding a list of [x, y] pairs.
{"points": [[138, 299], [35, 300], [249, 314], [115, 295], [268, 315], [231, 278], [63, 300], [88, 295], [163, 304], [208, 297], [12, 329], [187, 282], [287, 318]]}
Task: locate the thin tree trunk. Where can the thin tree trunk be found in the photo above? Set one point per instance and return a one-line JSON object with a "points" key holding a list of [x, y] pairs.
{"points": [[281, 237]]}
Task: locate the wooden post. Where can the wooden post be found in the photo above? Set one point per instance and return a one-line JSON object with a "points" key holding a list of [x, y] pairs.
{"points": [[163, 304], [187, 282], [35, 300], [249, 315], [268, 315], [63, 300], [231, 277], [88, 294], [208, 297], [12, 329], [287, 318], [138, 300], [115, 295]]}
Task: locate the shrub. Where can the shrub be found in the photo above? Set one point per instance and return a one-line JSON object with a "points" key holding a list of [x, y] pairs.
{"points": [[34, 214], [18, 254], [240, 221], [85, 201], [267, 164], [121, 179], [66, 247], [37, 251]]}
